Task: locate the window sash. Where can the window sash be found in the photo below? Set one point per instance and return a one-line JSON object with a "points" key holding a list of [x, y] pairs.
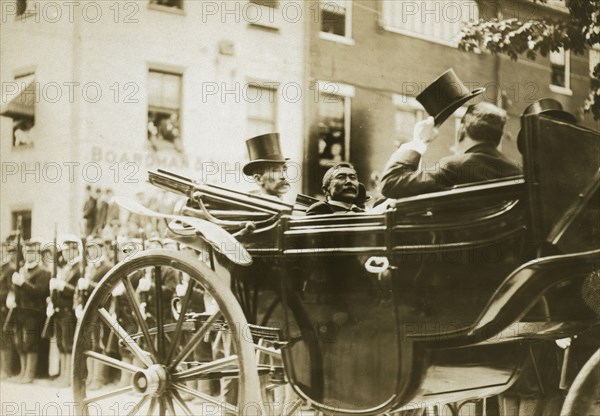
{"points": [[435, 21], [164, 90]]}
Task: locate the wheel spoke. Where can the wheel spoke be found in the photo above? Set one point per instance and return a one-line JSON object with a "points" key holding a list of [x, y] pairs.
{"points": [[193, 342], [169, 403], [229, 407], [152, 407], [107, 395], [161, 406], [181, 403], [139, 405], [184, 306], [129, 291], [158, 300], [219, 364], [105, 359], [125, 337]]}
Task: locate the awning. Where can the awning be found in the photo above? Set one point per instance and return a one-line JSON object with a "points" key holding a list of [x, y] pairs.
{"points": [[23, 104]]}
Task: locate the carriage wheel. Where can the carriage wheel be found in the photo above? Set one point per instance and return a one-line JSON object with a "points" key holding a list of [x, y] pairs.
{"points": [[584, 395], [164, 353]]}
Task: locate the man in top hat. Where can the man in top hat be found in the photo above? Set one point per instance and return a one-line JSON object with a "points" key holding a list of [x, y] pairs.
{"points": [[31, 289], [342, 190], [7, 347], [267, 165], [476, 156], [62, 290]]}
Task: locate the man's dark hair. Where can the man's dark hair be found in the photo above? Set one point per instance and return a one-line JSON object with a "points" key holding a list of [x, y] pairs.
{"points": [[331, 173], [484, 122]]}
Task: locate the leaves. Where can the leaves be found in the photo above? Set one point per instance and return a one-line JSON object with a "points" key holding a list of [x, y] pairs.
{"points": [[514, 38]]}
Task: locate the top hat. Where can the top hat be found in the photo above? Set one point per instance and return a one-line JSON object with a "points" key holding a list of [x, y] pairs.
{"points": [[549, 107], [445, 95], [263, 149]]}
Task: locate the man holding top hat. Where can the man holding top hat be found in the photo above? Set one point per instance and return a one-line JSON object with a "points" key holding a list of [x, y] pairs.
{"points": [[267, 165], [476, 156], [31, 289]]}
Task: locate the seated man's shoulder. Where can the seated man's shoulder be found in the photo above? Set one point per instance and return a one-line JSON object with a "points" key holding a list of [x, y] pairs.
{"points": [[319, 208]]}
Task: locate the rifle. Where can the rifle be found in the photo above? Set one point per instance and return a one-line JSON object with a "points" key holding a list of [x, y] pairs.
{"points": [[17, 269], [46, 329]]}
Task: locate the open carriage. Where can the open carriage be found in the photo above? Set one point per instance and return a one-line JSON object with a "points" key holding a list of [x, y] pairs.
{"points": [[442, 299]]}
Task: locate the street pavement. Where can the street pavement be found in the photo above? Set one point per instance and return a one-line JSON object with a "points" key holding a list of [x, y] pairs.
{"points": [[42, 398]]}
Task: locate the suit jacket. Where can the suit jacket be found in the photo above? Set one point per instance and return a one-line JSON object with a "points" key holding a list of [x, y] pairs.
{"points": [[402, 176], [322, 207]]}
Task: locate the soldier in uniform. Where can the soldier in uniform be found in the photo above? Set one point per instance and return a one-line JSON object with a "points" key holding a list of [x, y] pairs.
{"points": [[7, 347], [62, 290], [31, 289], [98, 265]]}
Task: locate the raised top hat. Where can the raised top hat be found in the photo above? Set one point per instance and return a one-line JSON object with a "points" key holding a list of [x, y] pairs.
{"points": [[263, 149], [445, 95], [547, 106]]}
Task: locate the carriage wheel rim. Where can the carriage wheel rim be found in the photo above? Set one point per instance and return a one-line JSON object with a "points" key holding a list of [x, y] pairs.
{"points": [[153, 379]]}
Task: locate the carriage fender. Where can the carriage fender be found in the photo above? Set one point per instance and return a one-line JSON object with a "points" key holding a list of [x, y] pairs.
{"points": [[217, 237]]}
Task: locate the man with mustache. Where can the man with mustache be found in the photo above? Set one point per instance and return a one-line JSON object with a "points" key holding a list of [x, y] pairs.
{"points": [[342, 192], [267, 166]]}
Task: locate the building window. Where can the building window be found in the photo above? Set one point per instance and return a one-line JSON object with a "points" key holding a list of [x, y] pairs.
{"points": [[334, 122], [25, 216], [261, 110], [178, 4], [408, 112], [20, 107], [336, 20], [164, 105], [436, 21], [26, 8], [560, 78]]}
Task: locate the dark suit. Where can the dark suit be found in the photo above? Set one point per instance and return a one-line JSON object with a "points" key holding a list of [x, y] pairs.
{"points": [[89, 214], [322, 207], [402, 177], [101, 216]]}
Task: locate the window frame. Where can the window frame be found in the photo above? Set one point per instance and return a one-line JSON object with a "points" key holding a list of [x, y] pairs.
{"points": [[14, 213], [18, 75], [164, 109], [387, 14], [264, 85], [566, 90], [406, 103], [347, 92], [347, 38]]}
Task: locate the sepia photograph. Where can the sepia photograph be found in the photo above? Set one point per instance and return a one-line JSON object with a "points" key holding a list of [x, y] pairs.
{"points": [[300, 207]]}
